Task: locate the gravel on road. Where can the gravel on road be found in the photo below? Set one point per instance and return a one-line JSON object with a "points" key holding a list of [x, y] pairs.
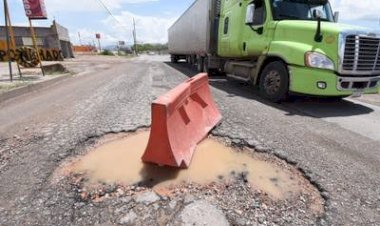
{"points": [[41, 130]]}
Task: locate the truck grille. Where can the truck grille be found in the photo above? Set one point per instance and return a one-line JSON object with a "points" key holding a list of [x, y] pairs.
{"points": [[361, 54]]}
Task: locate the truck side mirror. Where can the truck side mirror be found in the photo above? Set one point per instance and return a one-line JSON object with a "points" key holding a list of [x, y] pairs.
{"points": [[317, 14], [336, 17], [250, 16]]}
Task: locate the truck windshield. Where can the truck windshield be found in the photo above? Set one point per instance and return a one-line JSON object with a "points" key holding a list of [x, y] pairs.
{"points": [[301, 9]]}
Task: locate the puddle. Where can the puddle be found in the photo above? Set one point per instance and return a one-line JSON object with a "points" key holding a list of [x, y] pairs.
{"points": [[119, 161]]}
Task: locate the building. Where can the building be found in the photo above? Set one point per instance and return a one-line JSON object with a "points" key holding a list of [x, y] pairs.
{"points": [[54, 37]]}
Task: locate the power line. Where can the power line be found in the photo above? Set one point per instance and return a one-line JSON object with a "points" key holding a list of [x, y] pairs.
{"points": [[111, 14]]}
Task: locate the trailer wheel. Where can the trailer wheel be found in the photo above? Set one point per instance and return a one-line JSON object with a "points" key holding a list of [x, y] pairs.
{"points": [[206, 69], [205, 66], [193, 60], [274, 82], [173, 59], [200, 64]]}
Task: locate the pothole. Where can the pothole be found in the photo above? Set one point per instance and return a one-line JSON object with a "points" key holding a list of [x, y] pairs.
{"points": [[116, 160], [119, 162]]}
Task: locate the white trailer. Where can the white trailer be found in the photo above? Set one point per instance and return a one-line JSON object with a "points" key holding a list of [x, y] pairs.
{"points": [[193, 37]]}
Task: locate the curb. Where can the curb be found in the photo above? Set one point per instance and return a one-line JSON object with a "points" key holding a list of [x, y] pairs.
{"points": [[31, 88]]}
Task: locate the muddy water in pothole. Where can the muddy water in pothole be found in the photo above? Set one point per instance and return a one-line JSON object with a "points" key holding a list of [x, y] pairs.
{"points": [[120, 162]]}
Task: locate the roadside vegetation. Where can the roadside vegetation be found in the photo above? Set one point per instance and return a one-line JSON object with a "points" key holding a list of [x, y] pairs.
{"points": [[107, 52], [148, 47]]}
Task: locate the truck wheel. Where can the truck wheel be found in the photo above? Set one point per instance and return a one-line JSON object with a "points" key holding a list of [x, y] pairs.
{"points": [[200, 64], [193, 60], [274, 82], [210, 71], [173, 59], [205, 66]]}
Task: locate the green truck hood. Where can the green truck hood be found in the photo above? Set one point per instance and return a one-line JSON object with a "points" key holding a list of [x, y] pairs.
{"points": [[297, 37], [310, 27]]}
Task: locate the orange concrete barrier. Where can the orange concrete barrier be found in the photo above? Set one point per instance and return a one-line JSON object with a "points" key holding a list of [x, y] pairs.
{"points": [[181, 119], [84, 49]]}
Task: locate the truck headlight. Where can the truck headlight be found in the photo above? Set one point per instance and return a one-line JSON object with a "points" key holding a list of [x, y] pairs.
{"points": [[318, 60]]}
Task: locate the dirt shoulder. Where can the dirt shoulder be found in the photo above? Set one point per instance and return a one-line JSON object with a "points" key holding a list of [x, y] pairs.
{"points": [[32, 79]]}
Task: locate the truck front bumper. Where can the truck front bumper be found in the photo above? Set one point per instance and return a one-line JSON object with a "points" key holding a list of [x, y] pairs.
{"points": [[317, 82]]}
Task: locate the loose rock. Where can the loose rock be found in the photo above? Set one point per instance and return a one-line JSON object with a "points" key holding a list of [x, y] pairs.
{"points": [[201, 213], [147, 198], [129, 218]]}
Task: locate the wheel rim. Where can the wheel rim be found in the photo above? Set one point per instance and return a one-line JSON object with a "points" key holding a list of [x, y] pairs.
{"points": [[272, 82]]}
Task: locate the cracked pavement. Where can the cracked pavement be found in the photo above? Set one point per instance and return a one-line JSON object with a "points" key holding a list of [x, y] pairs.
{"points": [[336, 145]]}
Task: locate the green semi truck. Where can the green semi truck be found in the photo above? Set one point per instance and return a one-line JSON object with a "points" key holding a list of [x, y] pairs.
{"points": [[282, 46]]}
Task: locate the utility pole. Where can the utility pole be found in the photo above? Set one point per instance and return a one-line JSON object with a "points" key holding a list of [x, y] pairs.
{"points": [[134, 36], [80, 39], [8, 40], [99, 45], [12, 37], [35, 44]]}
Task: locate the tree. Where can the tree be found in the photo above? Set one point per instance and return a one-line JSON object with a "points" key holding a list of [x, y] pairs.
{"points": [[147, 47]]}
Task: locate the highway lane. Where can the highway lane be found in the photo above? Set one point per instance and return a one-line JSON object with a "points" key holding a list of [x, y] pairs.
{"points": [[334, 143]]}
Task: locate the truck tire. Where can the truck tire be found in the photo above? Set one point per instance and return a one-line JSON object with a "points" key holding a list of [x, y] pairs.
{"points": [[274, 82], [205, 66], [200, 64], [210, 71], [173, 59], [193, 60]]}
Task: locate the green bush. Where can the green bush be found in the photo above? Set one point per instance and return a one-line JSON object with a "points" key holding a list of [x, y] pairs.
{"points": [[106, 52], [147, 47]]}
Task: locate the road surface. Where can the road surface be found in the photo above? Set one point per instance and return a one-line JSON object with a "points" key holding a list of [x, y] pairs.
{"points": [[336, 144]]}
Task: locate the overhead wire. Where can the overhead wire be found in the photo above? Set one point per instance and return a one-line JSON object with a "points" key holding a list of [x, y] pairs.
{"points": [[113, 16]]}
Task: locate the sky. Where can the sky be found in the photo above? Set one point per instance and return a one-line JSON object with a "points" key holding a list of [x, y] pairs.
{"points": [[84, 18]]}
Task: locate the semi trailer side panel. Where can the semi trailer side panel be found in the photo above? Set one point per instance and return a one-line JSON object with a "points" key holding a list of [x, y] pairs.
{"points": [[191, 33]]}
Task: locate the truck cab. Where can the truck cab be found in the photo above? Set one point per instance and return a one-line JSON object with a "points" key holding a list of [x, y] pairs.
{"points": [[297, 46], [282, 46]]}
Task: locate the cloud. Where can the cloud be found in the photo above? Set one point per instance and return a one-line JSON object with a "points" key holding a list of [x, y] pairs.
{"points": [[357, 10], [88, 5], [149, 29], [153, 29], [87, 37]]}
